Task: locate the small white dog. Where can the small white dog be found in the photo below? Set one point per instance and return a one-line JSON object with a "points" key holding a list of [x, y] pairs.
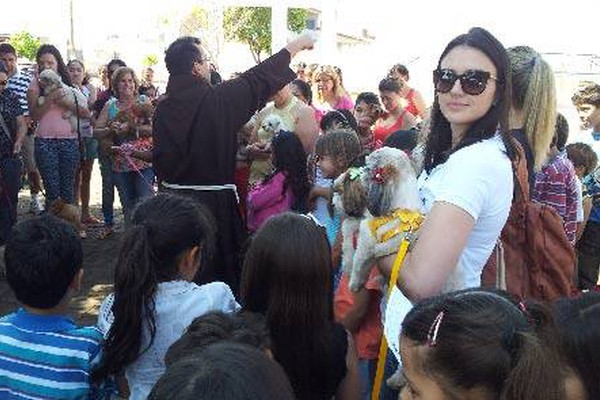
{"points": [[50, 82], [394, 204], [272, 123]]}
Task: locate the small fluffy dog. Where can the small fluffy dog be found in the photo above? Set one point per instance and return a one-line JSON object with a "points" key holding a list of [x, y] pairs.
{"points": [[50, 82], [67, 212], [393, 202], [272, 123]]}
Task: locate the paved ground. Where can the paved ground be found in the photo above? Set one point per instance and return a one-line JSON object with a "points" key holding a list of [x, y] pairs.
{"points": [[98, 263]]}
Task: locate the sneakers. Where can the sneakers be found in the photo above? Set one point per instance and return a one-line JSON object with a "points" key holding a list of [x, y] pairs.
{"points": [[36, 204]]}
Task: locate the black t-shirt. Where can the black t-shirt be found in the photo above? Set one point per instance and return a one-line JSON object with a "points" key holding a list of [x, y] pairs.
{"points": [[10, 109]]}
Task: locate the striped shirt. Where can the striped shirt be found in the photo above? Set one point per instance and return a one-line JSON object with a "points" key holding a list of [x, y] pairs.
{"points": [[556, 186], [46, 357], [19, 83]]}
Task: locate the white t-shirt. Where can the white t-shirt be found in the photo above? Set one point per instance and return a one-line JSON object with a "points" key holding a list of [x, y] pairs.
{"points": [[177, 304], [479, 180], [579, 187]]}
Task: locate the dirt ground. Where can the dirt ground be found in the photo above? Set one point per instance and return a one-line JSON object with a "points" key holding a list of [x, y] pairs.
{"points": [[98, 260]]}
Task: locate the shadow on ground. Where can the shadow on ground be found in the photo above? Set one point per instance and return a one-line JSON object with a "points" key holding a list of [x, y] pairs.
{"points": [[98, 263]]}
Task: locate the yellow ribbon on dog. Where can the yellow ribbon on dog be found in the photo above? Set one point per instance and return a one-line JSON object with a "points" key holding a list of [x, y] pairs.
{"points": [[410, 221]]}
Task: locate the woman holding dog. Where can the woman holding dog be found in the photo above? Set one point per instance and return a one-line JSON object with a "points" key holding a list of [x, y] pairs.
{"points": [[124, 125], [56, 142], [467, 183]]}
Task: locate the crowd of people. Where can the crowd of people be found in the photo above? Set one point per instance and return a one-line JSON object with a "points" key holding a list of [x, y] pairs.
{"points": [[235, 281]]}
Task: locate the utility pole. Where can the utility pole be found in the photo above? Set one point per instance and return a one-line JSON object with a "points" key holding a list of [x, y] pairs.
{"points": [[71, 53]]}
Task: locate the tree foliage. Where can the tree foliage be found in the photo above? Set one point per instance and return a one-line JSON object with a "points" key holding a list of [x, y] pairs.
{"points": [[25, 44], [150, 60], [195, 21], [252, 25]]}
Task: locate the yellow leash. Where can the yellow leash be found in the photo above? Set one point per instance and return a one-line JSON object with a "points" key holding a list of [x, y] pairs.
{"points": [[383, 348]]}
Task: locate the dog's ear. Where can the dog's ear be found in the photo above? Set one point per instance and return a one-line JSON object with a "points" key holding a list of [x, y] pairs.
{"points": [[354, 196]]}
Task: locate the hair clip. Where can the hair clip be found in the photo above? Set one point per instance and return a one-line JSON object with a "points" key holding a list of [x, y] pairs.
{"points": [[355, 173], [523, 308], [434, 330]]}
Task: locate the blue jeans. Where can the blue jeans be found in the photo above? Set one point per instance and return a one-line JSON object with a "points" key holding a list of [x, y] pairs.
{"points": [[391, 364], [366, 369], [108, 190], [133, 188], [58, 160], [10, 175]]}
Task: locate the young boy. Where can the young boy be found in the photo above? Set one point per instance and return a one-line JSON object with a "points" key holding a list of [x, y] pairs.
{"points": [[43, 354], [556, 182], [587, 101], [585, 161]]}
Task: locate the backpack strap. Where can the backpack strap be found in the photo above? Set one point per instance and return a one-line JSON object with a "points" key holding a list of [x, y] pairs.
{"points": [[520, 174]]}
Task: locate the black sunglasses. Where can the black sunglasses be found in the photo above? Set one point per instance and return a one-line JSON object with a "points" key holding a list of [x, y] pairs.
{"points": [[472, 82]]}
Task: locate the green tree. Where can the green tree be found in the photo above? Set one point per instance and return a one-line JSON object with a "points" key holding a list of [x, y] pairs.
{"points": [[26, 44], [150, 60], [195, 21], [252, 25]]}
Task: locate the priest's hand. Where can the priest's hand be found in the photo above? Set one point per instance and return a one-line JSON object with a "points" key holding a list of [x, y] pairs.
{"points": [[306, 41]]}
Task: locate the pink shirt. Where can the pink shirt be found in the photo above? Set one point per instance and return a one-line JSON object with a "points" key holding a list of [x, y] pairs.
{"points": [[52, 125], [344, 103], [267, 199]]}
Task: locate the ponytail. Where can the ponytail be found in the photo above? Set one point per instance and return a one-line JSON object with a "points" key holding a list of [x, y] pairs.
{"points": [[135, 284], [537, 360], [534, 93]]}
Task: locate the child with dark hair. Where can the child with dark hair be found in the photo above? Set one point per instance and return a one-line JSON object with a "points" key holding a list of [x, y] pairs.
{"points": [[286, 188], [43, 354], [338, 119], [587, 101], [479, 344], [578, 322], [584, 160], [242, 327], [402, 140], [556, 182], [287, 277], [367, 110], [224, 371], [154, 298]]}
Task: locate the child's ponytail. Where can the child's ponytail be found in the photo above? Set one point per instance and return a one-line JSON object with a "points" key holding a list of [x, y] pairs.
{"points": [[135, 285], [537, 372]]}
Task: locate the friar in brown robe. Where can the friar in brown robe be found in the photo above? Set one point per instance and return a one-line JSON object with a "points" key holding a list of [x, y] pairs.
{"points": [[195, 139]]}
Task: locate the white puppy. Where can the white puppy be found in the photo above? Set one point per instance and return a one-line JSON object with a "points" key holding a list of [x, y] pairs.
{"points": [[393, 201], [272, 123], [50, 82]]}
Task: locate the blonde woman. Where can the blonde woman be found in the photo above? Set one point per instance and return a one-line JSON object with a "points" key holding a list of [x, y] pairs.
{"points": [[125, 122], [331, 95], [533, 110]]}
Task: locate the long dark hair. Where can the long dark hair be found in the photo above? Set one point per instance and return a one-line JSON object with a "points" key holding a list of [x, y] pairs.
{"points": [[287, 277], [62, 69], [290, 158], [478, 338], [579, 327], [439, 141], [162, 229]]}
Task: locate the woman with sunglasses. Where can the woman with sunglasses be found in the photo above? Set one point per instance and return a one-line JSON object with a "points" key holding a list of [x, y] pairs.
{"points": [[467, 183]]}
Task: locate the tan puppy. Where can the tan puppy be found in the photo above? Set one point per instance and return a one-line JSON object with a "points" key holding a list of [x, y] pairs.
{"points": [[68, 212]]}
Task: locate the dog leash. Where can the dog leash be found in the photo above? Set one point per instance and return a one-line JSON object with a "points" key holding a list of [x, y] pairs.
{"points": [[383, 348], [136, 169]]}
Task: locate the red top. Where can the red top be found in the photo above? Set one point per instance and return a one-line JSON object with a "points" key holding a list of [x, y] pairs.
{"points": [[411, 107], [380, 132]]}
